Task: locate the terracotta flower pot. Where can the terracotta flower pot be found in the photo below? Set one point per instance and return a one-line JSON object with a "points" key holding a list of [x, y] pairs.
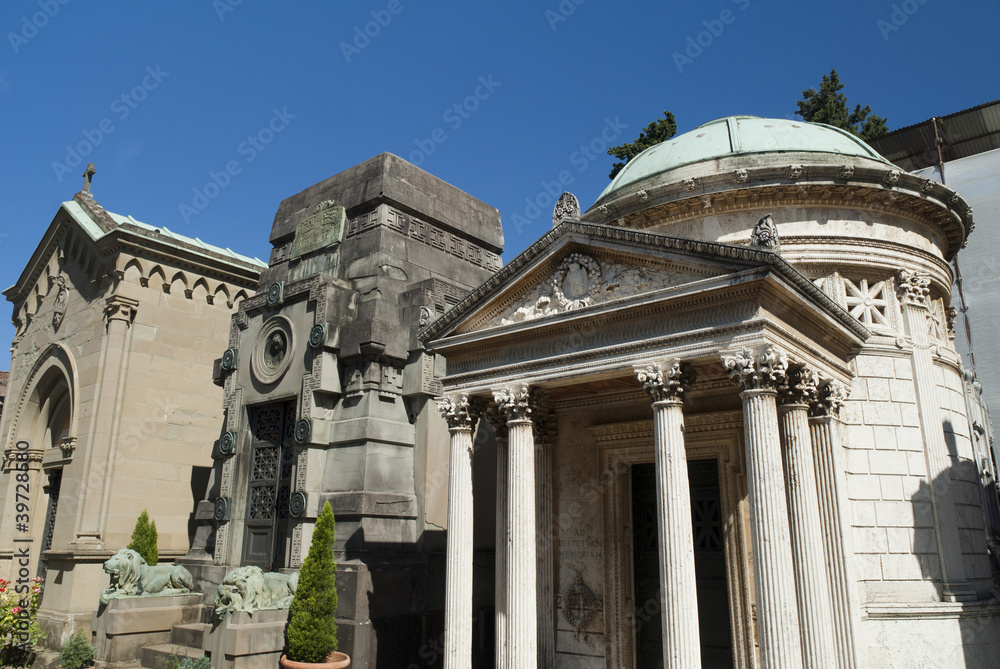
{"points": [[334, 660]]}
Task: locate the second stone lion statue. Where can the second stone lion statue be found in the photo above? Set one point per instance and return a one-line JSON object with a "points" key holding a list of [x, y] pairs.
{"points": [[251, 589], [132, 577]]}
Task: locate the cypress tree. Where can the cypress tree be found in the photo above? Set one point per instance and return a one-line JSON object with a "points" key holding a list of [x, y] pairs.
{"points": [[312, 626], [144, 539]]}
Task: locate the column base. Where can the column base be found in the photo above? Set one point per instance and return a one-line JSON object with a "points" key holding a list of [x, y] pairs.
{"points": [[958, 592]]}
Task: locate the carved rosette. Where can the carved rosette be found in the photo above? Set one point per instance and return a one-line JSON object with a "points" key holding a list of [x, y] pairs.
{"points": [[913, 287], [514, 402], [757, 371], [666, 385], [830, 398], [800, 386], [457, 411]]}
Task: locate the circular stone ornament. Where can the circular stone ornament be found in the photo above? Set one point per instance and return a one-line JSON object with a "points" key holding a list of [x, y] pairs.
{"points": [[229, 360], [275, 293], [272, 353], [303, 431], [577, 281], [317, 335], [221, 511], [227, 445], [297, 504]]}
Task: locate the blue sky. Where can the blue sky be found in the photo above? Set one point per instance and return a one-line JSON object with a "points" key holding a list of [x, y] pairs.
{"points": [[171, 92]]}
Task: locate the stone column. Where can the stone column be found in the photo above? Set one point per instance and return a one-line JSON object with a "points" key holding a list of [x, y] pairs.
{"points": [[678, 585], [499, 425], [835, 518], [759, 375], [458, 575], [913, 295], [521, 591], [103, 438], [812, 585], [544, 422]]}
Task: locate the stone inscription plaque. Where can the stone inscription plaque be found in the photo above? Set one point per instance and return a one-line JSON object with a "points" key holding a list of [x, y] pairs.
{"points": [[324, 228]]}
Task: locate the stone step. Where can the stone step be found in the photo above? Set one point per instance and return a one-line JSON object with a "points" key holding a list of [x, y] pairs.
{"points": [[191, 634], [155, 657]]}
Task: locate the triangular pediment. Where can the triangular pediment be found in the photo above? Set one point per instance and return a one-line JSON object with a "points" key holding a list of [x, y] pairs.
{"points": [[583, 266]]}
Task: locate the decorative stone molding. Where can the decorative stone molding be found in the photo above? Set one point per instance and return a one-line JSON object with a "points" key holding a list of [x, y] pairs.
{"points": [[765, 235], [642, 195], [272, 352], [666, 385], [829, 399], [800, 386], [913, 287], [580, 605], [426, 316], [752, 371], [741, 176], [458, 411], [567, 209], [514, 402], [62, 296], [120, 308], [577, 281], [67, 445], [891, 177], [317, 335], [847, 171], [795, 171], [689, 184], [276, 293]]}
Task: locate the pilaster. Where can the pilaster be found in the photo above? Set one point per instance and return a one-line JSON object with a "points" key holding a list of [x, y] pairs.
{"points": [[812, 585], [835, 518], [913, 292], [666, 385], [544, 423], [759, 375]]}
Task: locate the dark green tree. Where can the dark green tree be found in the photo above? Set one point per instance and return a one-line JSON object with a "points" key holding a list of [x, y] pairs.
{"points": [[144, 539], [828, 105], [312, 625], [658, 131]]}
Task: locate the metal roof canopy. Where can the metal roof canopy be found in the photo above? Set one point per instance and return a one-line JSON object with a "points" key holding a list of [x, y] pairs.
{"points": [[964, 133]]}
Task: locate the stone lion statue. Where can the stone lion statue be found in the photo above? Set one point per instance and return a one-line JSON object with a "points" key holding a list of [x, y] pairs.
{"points": [[251, 589], [132, 577]]}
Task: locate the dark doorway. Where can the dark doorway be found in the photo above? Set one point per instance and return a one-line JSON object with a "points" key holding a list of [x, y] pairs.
{"points": [[709, 562], [272, 453]]}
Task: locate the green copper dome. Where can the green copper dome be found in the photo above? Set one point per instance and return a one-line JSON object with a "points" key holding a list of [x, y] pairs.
{"points": [[740, 135]]}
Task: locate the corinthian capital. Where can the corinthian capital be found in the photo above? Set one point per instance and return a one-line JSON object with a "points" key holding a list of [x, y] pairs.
{"points": [[913, 286], [668, 384], [799, 387], [830, 398], [514, 402], [757, 371], [457, 411]]}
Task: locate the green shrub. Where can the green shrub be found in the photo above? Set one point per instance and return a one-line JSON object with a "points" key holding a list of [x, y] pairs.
{"points": [[77, 652], [144, 539], [311, 633], [203, 662]]}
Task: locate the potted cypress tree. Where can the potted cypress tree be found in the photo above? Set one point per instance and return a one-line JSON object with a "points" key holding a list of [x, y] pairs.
{"points": [[311, 633]]}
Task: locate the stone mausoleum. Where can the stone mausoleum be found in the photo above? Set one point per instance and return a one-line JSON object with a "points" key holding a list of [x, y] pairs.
{"points": [[715, 420]]}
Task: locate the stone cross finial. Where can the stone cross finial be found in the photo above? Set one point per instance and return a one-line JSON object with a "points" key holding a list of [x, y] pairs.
{"points": [[88, 177]]}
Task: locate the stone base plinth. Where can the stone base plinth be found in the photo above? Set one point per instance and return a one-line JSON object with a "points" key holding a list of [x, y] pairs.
{"points": [[125, 626], [242, 641]]}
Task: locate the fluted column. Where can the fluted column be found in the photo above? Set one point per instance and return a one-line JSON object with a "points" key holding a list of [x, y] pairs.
{"points": [[835, 518], [812, 586], [544, 422], [913, 296], [521, 591], [458, 568], [499, 425], [678, 586], [758, 375]]}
